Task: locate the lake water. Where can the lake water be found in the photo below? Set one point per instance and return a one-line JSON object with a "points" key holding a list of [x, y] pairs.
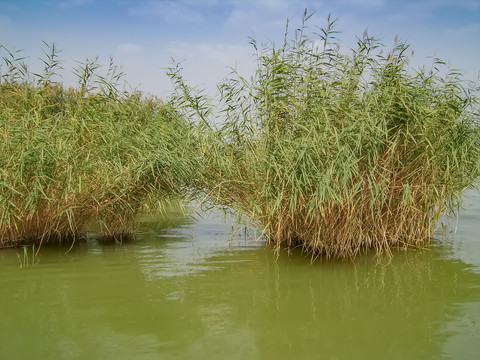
{"points": [[189, 289]]}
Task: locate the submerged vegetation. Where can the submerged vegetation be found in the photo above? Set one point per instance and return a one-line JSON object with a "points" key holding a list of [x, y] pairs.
{"points": [[338, 151], [70, 156]]}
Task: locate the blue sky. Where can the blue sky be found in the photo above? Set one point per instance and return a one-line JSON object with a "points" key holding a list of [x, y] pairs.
{"points": [[209, 35]]}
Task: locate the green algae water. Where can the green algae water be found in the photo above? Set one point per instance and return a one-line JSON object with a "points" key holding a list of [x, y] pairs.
{"points": [[189, 289]]}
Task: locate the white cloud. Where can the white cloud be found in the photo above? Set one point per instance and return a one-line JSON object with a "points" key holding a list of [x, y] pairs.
{"points": [[468, 4], [171, 12], [129, 48], [470, 30], [263, 15], [73, 3], [5, 22], [372, 3], [218, 54], [5, 19], [207, 64], [253, 19]]}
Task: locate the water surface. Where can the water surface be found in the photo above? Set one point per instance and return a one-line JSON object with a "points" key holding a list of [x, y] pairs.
{"points": [[189, 289]]}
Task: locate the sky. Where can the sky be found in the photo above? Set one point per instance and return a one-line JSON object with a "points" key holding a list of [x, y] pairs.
{"points": [[209, 36]]}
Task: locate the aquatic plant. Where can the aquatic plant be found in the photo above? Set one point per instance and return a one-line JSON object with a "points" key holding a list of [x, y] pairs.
{"points": [[69, 156], [338, 151]]}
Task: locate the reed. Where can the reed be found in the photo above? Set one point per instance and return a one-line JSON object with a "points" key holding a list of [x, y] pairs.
{"points": [[70, 156], [338, 151]]}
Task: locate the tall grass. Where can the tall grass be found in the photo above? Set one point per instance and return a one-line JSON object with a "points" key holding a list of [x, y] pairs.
{"points": [[69, 156], [338, 151]]}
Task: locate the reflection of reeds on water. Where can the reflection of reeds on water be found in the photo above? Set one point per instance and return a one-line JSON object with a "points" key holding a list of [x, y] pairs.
{"points": [[68, 156], [339, 152]]}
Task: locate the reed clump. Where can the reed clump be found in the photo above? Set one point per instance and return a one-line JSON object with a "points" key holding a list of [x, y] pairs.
{"points": [[97, 152], [338, 151]]}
